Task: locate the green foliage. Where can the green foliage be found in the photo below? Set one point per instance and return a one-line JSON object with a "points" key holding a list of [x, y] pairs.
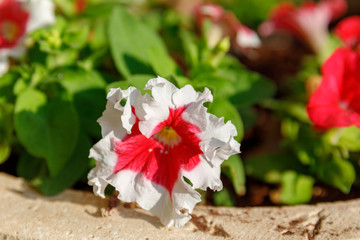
{"points": [[251, 12], [54, 123], [131, 52], [223, 198], [296, 188], [234, 169]]}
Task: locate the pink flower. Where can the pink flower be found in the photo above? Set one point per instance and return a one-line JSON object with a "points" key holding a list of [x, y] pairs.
{"points": [[17, 18], [348, 30], [225, 24], [309, 22], [336, 102], [151, 144]]}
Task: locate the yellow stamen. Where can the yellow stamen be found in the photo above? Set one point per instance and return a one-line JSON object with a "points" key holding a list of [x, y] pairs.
{"points": [[9, 30], [167, 136]]}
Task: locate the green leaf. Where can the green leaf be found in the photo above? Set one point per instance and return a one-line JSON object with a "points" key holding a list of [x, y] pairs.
{"points": [[7, 82], [223, 198], [190, 48], [134, 46], [74, 169], [99, 37], [223, 108], [345, 137], [269, 168], [161, 62], [30, 167], [338, 173], [138, 80], [290, 108], [76, 35], [6, 130], [290, 129], [47, 129], [249, 117], [234, 169], [64, 58], [296, 188], [88, 91], [5, 150], [252, 88]]}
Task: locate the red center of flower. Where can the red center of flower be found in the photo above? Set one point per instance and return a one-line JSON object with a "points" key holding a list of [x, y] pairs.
{"points": [[13, 21], [174, 145]]}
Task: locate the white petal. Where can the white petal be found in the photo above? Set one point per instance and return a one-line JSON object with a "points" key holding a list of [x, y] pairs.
{"points": [[205, 175], [134, 187], [155, 113], [196, 113], [18, 51], [314, 22], [118, 118], [217, 138], [184, 200], [4, 64], [247, 38], [162, 91], [106, 159], [41, 13], [218, 142], [184, 96]]}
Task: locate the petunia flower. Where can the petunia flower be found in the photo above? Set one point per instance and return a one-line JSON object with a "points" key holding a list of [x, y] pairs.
{"points": [[348, 30], [151, 148], [224, 24], [336, 102], [309, 22], [18, 18]]}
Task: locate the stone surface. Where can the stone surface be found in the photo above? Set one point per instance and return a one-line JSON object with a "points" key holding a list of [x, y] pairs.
{"points": [[25, 215]]}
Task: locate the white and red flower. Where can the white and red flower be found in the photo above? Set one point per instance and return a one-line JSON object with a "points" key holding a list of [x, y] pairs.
{"points": [[150, 145], [224, 24], [17, 18], [309, 22]]}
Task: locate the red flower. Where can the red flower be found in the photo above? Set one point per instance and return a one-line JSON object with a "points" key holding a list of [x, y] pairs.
{"points": [[336, 102], [308, 22], [348, 30], [80, 6], [13, 21]]}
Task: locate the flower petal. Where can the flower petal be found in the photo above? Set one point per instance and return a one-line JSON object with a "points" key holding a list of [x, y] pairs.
{"points": [[246, 38], [134, 187], [41, 14], [162, 91], [348, 30], [114, 111], [4, 64], [218, 140], [335, 103], [106, 159], [205, 175]]}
